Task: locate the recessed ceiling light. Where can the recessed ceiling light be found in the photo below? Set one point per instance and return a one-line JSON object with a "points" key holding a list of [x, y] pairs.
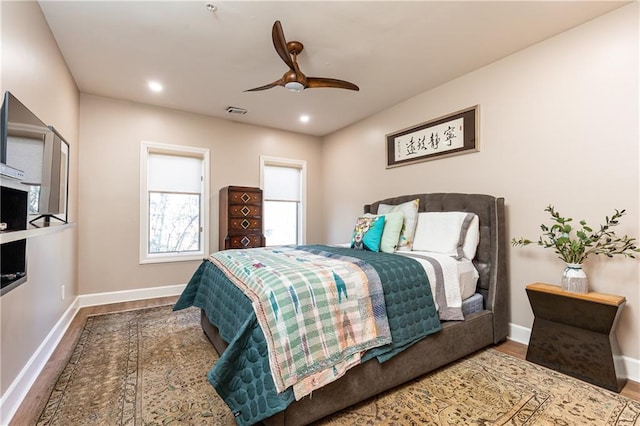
{"points": [[304, 118], [211, 7], [154, 86]]}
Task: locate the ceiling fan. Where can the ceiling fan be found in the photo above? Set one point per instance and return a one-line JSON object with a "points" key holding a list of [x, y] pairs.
{"points": [[294, 79]]}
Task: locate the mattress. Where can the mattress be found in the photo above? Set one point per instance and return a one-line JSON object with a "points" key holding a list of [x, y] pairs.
{"points": [[473, 304]]}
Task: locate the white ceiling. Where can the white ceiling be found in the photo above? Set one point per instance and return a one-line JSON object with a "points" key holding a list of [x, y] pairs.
{"points": [[205, 60]]}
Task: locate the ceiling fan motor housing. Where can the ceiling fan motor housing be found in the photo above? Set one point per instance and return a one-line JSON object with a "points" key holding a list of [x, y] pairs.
{"points": [[294, 77]]}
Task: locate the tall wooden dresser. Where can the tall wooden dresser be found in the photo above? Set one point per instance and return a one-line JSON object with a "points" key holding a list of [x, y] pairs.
{"points": [[240, 218]]}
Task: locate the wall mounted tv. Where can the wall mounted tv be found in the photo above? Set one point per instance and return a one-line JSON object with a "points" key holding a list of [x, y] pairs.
{"points": [[34, 156]]}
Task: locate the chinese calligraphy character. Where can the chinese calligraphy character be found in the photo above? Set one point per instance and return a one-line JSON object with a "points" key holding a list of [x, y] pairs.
{"points": [[449, 135], [435, 140], [411, 149]]}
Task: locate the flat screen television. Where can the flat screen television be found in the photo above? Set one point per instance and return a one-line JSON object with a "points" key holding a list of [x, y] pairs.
{"points": [[35, 157]]}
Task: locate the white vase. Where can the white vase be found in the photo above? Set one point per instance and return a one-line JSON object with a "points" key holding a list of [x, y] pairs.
{"points": [[574, 279]]}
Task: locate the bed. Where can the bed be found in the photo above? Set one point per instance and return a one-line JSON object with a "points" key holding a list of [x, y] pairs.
{"points": [[235, 328]]}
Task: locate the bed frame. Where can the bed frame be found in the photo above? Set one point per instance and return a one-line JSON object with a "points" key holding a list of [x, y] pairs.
{"points": [[457, 338]]}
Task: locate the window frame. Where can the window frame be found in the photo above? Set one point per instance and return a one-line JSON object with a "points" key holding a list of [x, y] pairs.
{"points": [[147, 147], [302, 166]]}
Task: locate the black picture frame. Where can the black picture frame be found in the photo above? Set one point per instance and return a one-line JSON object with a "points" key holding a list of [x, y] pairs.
{"points": [[446, 136]]}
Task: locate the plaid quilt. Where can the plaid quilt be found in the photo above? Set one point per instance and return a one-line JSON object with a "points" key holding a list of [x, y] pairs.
{"points": [[318, 313]]}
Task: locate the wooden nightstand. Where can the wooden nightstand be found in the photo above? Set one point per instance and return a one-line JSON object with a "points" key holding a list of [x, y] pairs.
{"points": [[575, 334]]}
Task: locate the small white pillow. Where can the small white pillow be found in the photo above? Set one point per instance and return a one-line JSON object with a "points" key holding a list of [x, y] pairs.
{"points": [[453, 233]]}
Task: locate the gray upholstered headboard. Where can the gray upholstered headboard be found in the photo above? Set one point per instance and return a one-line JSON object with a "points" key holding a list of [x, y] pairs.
{"points": [[490, 259]]}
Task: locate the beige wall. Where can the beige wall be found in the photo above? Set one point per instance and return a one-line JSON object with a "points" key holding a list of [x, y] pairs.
{"points": [[35, 72], [558, 125], [111, 132]]}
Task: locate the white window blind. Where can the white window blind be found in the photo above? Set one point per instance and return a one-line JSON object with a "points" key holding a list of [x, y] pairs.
{"points": [[282, 183], [174, 173]]}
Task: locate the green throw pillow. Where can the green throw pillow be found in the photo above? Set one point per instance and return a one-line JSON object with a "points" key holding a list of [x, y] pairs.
{"points": [[410, 212]]}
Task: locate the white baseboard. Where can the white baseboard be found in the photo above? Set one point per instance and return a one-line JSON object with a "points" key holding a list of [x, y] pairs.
{"points": [[18, 389], [519, 334], [522, 335], [632, 366], [12, 398], [94, 299]]}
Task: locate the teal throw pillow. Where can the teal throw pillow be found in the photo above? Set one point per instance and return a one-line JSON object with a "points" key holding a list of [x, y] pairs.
{"points": [[393, 223]]}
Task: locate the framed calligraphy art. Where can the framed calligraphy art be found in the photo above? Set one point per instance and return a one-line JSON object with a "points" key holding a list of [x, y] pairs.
{"points": [[453, 134]]}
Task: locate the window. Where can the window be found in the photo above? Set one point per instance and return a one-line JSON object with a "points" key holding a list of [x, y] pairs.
{"points": [[283, 186], [174, 207]]}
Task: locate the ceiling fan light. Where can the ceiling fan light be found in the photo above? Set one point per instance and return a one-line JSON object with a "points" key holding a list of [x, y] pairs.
{"points": [[294, 86]]}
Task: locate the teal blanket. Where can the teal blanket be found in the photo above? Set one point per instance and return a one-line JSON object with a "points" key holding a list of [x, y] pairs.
{"points": [[242, 375], [318, 313]]}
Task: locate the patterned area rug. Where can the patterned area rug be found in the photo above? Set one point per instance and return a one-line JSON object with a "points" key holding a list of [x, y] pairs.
{"points": [[142, 367], [149, 367]]}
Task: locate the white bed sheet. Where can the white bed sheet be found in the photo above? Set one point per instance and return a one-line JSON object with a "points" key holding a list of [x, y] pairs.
{"points": [[460, 280]]}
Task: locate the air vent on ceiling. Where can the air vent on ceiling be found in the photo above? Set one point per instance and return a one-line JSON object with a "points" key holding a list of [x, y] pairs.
{"points": [[236, 110]]}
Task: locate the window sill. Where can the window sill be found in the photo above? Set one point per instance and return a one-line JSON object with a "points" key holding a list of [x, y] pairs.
{"points": [[172, 259]]}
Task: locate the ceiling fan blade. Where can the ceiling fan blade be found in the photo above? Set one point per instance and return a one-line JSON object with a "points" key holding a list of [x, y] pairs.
{"points": [[267, 86], [330, 82], [280, 43]]}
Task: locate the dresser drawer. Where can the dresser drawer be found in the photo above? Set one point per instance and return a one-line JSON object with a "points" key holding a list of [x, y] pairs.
{"points": [[243, 241], [245, 197], [245, 224], [240, 219], [239, 210]]}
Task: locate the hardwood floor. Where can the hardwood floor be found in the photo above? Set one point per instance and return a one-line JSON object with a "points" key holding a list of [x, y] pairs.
{"points": [[28, 413]]}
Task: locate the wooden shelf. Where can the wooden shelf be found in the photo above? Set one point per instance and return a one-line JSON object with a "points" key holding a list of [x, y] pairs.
{"points": [[9, 236]]}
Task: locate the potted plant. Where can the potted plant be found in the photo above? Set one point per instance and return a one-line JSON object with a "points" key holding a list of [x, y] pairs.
{"points": [[574, 245]]}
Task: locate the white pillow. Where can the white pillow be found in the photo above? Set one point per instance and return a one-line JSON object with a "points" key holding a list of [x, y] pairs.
{"points": [[453, 233], [472, 239], [410, 212]]}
